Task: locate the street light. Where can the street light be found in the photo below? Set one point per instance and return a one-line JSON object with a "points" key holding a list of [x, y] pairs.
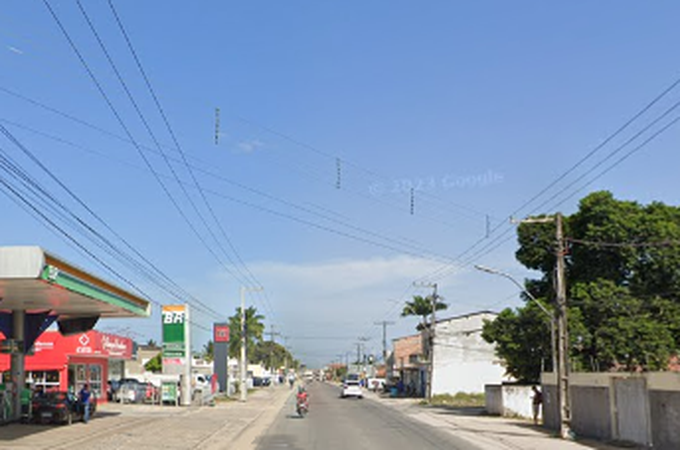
{"points": [[534, 299]]}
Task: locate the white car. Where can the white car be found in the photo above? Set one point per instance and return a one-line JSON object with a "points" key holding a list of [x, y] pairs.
{"points": [[351, 388]]}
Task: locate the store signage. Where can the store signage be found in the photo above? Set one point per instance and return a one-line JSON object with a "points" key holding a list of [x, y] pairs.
{"points": [[114, 346], [175, 320], [220, 333]]}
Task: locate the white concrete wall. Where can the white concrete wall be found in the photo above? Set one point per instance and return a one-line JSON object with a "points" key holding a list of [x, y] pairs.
{"points": [[463, 361], [509, 400], [517, 401], [493, 399]]}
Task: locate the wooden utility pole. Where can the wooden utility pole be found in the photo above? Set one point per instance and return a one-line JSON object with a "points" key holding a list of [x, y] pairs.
{"points": [[562, 333]]}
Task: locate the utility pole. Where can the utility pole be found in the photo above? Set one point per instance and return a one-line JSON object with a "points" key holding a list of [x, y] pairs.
{"points": [[562, 333], [384, 324], [242, 387], [272, 334], [430, 336], [561, 362], [361, 345]]}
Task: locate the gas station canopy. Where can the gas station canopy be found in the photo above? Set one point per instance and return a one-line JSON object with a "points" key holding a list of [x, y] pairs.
{"points": [[34, 280], [37, 289]]}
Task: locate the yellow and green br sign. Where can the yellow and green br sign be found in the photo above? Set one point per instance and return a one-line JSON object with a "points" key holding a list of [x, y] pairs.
{"points": [[174, 331]]}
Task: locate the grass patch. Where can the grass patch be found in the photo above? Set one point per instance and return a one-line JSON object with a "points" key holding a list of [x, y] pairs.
{"points": [[460, 400], [223, 398]]}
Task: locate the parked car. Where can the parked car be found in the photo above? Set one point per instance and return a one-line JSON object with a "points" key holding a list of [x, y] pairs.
{"points": [[60, 407], [375, 384], [351, 388], [131, 390], [112, 387], [261, 381]]}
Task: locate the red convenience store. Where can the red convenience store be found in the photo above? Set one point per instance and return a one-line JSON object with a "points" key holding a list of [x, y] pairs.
{"points": [[68, 362]]}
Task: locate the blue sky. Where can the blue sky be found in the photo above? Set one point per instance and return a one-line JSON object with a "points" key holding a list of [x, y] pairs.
{"points": [[476, 105]]}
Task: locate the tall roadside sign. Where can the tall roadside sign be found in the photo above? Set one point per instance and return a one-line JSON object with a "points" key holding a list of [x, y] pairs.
{"points": [[221, 354], [177, 348]]}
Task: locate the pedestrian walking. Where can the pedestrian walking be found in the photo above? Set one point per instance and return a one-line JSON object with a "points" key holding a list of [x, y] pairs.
{"points": [[85, 395], [536, 402]]}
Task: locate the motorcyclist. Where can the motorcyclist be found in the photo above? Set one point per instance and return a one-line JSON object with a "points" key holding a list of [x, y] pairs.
{"points": [[302, 397]]}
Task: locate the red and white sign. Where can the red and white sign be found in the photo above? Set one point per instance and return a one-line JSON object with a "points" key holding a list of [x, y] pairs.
{"points": [[221, 333]]}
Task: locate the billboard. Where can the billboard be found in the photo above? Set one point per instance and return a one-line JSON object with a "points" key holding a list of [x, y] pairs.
{"points": [[175, 338]]}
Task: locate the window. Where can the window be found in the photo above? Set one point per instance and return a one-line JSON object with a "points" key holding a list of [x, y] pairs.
{"points": [[47, 379]]}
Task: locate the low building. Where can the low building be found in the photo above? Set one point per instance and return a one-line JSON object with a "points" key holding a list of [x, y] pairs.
{"points": [[409, 364], [68, 362], [462, 360]]}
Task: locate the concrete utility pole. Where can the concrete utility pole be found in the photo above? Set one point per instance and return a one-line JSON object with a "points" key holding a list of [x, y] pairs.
{"points": [[243, 388], [430, 336], [562, 333], [561, 368], [384, 324], [362, 346], [272, 334]]}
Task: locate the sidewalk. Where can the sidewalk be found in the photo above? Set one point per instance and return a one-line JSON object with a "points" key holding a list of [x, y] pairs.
{"points": [[230, 425], [487, 432]]}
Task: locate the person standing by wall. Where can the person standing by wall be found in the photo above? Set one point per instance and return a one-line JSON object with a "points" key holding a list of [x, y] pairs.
{"points": [[537, 401]]}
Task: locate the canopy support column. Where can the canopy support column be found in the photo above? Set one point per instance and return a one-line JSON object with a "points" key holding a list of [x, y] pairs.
{"points": [[17, 368]]}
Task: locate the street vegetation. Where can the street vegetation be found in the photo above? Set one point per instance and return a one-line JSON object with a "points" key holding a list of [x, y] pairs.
{"points": [[623, 290], [459, 400]]}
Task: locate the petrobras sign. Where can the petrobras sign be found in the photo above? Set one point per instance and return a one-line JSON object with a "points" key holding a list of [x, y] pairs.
{"points": [[175, 322]]}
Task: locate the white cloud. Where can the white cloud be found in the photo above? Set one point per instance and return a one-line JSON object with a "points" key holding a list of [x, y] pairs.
{"points": [[15, 50], [250, 146]]}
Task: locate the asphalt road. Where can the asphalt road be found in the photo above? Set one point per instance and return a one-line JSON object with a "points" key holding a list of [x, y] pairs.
{"points": [[352, 424]]}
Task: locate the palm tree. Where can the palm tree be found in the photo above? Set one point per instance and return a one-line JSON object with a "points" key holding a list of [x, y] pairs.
{"points": [[422, 307], [254, 331], [209, 351]]}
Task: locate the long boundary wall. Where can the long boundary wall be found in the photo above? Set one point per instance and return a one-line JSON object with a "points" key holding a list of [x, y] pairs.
{"points": [[643, 408]]}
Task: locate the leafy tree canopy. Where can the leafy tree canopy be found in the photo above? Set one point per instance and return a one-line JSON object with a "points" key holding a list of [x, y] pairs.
{"points": [[155, 364], [271, 354], [623, 289]]}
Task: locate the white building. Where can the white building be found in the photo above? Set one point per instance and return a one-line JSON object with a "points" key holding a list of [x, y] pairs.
{"points": [[462, 360]]}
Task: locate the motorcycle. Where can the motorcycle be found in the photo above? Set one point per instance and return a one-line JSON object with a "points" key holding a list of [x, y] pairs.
{"points": [[302, 408]]}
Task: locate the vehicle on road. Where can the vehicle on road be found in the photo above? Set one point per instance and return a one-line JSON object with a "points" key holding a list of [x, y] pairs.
{"points": [[60, 407], [302, 408], [351, 388]]}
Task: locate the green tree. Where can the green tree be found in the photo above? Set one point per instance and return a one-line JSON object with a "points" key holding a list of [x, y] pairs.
{"points": [[271, 354], [623, 282], [208, 351], [422, 307], [254, 332], [155, 364]]}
